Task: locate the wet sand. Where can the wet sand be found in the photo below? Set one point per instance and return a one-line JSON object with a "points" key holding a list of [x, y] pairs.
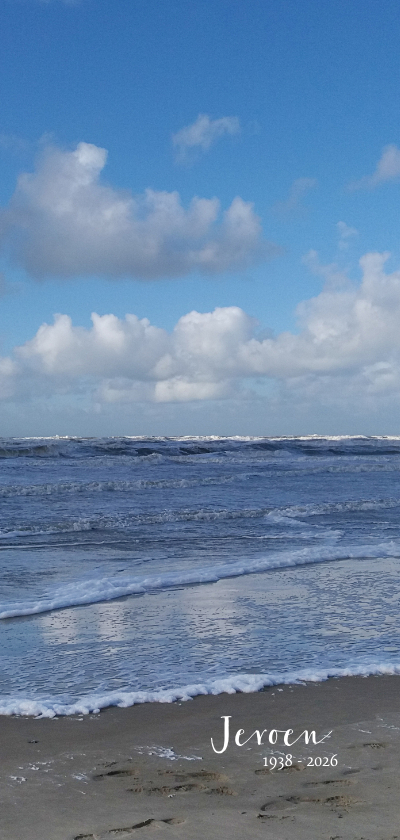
{"points": [[150, 770]]}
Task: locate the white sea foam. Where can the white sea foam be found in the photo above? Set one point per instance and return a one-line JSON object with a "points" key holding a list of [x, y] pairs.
{"points": [[166, 752], [51, 707], [110, 588]]}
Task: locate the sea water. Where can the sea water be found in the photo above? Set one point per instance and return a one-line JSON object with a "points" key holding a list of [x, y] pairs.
{"points": [[137, 569]]}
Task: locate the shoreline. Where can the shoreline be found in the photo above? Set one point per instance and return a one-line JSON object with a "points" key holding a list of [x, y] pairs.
{"points": [[124, 772], [93, 704]]}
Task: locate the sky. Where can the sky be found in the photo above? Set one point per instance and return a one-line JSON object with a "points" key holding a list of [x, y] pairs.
{"points": [[199, 226]]}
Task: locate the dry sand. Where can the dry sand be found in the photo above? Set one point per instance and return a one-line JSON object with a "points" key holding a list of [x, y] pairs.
{"points": [[102, 777]]}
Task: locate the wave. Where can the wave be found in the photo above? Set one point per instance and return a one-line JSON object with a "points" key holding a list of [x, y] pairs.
{"points": [[51, 707], [85, 592], [143, 447], [34, 451], [125, 486], [354, 467], [123, 522], [292, 512], [281, 517], [111, 486]]}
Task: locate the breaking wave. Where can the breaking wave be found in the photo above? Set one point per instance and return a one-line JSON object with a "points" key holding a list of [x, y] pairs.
{"points": [[94, 591], [313, 445], [50, 707]]}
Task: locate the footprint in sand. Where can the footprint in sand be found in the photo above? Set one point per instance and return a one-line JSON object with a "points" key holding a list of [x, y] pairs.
{"points": [[375, 745], [188, 787], [128, 771], [86, 837], [199, 774], [118, 832], [264, 771], [274, 817], [283, 803], [127, 831], [329, 782], [203, 781]]}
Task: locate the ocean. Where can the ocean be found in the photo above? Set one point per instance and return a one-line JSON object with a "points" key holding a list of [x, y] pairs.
{"points": [[153, 569]]}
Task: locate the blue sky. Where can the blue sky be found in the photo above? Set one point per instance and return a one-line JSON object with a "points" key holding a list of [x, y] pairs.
{"points": [[231, 159]]}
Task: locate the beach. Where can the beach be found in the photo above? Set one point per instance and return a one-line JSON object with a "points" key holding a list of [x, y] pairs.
{"points": [[150, 770]]}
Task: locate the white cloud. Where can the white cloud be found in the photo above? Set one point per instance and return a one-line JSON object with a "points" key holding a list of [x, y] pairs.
{"points": [[346, 233], [202, 134], [347, 349], [387, 169], [63, 221], [130, 359], [299, 188]]}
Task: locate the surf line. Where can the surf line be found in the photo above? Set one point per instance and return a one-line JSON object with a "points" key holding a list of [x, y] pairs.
{"points": [[275, 736]]}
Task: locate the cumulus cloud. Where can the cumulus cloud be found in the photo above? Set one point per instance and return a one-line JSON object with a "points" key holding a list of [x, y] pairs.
{"points": [[63, 221], [202, 134], [129, 359], [387, 169], [299, 188], [348, 343]]}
